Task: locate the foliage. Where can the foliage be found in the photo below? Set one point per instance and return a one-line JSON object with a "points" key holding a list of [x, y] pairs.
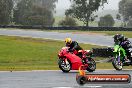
{"points": [[106, 21], [129, 24], [84, 9], [68, 21], [34, 12], [118, 17], [125, 9], [6, 7]]}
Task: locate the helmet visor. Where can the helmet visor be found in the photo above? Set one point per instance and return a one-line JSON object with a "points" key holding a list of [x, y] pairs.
{"points": [[68, 43]]}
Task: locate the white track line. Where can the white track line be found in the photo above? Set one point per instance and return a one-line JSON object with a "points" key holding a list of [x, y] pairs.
{"points": [[61, 71], [81, 87], [62, 87]]}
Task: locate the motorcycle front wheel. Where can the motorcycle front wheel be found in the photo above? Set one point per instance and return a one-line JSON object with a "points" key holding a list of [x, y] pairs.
{"points": [[64, 66], [118, 66]]}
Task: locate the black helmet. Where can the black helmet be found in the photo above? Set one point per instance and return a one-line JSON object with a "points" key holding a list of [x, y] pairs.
{"points": [[118, 37]]}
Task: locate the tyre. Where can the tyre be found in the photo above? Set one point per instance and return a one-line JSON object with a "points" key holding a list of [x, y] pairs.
{"points": [[81, 80], [91, 64], [129, 80], [64, 66], [116, 65]]}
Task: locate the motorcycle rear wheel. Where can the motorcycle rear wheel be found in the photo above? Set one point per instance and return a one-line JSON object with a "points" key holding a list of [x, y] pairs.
{"points": [[91, 64], [63, 66]]}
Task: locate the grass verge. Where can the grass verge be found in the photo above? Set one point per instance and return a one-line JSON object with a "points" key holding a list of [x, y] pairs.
{"points": [[20, 54], [109, 66]]}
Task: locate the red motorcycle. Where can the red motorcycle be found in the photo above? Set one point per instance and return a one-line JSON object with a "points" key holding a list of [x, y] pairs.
{"points": [[73, 60]]}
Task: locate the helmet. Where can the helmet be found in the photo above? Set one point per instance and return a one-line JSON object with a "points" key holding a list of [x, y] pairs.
{"points": [[118, 37], [68, 41]]}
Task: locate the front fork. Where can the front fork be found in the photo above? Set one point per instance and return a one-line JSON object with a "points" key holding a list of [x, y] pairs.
{"points": [[66, 62], [118, 57]]}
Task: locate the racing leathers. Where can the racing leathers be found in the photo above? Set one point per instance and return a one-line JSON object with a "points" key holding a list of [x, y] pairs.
{"points": [[126, 45], [74, 46]]}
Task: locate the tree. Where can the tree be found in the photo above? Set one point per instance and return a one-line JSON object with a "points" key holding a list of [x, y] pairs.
{"points": [[84, 10], [129, 23], [68, 21], [6, 7], [34, 12], [22, 11], [125, 9], [106, 21], [118, 17], [41, 16]]}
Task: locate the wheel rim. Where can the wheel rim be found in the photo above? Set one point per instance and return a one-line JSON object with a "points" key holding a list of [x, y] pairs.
{"points": [[91, 64], [66, 66], [118, 65]]}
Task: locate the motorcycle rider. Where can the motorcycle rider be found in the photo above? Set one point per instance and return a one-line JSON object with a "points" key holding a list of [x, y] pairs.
{"points": [[73, 45], [124, 42]]}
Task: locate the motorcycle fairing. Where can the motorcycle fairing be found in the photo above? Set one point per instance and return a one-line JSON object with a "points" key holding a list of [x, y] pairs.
{"points": [[75, 60]]}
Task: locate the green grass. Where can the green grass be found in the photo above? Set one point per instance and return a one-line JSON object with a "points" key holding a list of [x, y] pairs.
{"points": [[22, 53], [109, 66], [28, 53]]}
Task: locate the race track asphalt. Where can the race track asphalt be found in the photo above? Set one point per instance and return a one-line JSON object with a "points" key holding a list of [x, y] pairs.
{"points": [[81, 38], [54, 79]]}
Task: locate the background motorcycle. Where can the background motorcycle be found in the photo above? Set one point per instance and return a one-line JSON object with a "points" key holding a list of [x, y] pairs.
{"points": [[70, 61], [118, 58]]}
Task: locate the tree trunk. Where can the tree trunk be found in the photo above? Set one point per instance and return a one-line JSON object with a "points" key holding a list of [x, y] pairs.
{"points": [[87, 23]]}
